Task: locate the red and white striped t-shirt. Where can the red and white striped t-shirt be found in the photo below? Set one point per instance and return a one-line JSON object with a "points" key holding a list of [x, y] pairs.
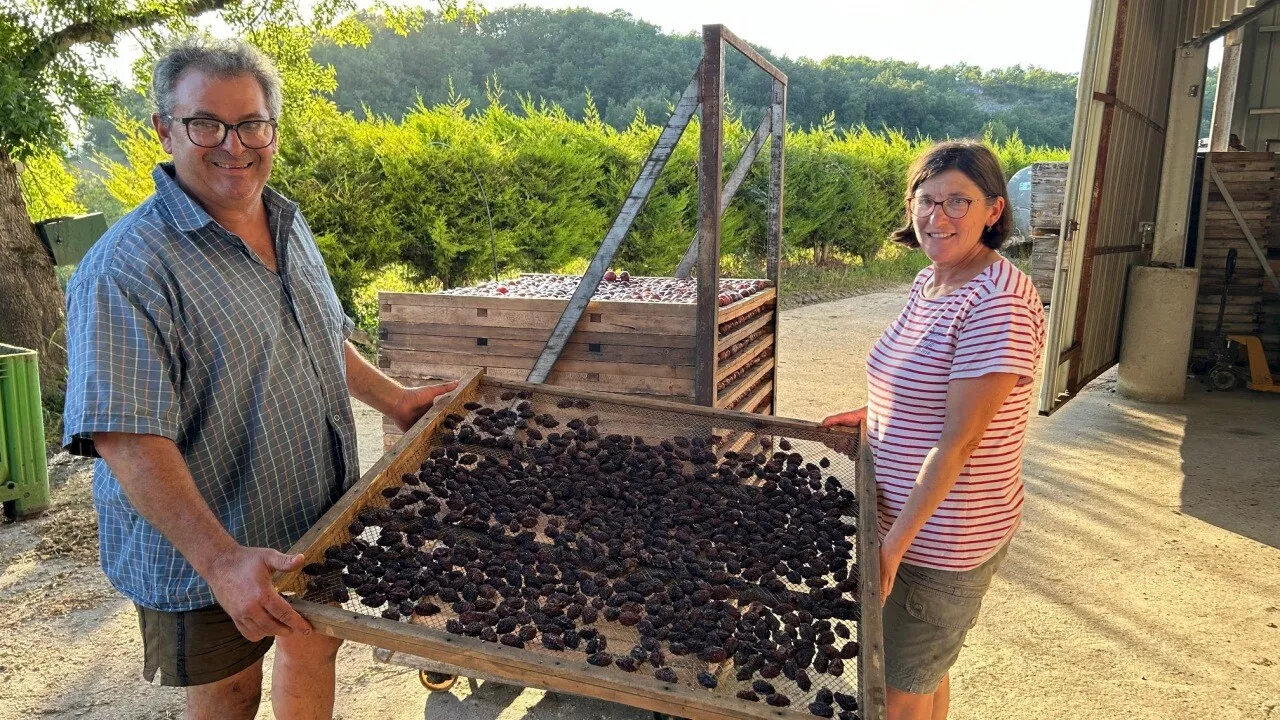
{"points": [[994, 323]]}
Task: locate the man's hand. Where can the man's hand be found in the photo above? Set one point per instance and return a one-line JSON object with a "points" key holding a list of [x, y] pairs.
{"points": [[414, 402], [241, 582]]}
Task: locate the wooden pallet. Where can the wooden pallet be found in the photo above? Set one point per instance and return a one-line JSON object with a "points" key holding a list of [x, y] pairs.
{"points": [[1251, 181], [644, 348], [568, 671]]}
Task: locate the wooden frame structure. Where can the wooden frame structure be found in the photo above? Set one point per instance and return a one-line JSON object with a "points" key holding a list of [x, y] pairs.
{"points": [[569, 672], [707, 92]]}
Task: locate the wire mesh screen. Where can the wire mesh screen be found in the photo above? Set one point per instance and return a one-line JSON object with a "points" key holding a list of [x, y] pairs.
{"points": [[711, 553]]}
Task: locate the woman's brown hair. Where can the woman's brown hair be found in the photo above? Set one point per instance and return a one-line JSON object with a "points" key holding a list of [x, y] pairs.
{"points": [[980, 165]]}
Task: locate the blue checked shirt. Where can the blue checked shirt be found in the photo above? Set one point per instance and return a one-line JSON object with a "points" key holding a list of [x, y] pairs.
{"points": [[176, 328]]}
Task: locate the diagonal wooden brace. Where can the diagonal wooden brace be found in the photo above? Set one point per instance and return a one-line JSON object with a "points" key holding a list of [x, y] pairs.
{"points": [[636, 198], [731, 186]]}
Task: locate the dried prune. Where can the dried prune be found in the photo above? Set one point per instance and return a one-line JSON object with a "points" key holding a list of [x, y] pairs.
{"points": [[453, 626], [626, 664], [762, 687], [846, 702], [665, 674], [511, 641], [778, 700], [802, 680], [553, 642], [707, 680], [747, 695], [600, 659], [712, 655], [821, 709]]}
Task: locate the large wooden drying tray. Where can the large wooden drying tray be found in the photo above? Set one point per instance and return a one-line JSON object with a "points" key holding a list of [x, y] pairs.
{"points": [[568, 671]]}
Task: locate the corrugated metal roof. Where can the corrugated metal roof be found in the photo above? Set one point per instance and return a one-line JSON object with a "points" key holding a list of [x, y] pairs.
{"points": [[1203, 20]]}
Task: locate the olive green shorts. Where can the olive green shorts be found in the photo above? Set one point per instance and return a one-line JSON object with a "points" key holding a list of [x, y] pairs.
{"points": [[196, 647], [926, 618]]}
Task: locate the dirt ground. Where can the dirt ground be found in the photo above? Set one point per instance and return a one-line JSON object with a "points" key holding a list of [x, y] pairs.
{"points": [[1145, 582]]}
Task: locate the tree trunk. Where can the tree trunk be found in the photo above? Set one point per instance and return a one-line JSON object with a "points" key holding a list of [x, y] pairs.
{"points": [[31, 314]]}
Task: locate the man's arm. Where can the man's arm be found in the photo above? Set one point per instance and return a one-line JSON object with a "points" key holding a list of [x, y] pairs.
{"points": [[157, 482], [403, 405]]}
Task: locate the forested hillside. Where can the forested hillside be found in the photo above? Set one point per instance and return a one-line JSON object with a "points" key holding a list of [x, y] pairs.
{"points": [[626, 63]]}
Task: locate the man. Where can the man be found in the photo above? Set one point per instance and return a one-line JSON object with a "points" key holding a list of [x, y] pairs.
{"points": [[209, 369]]}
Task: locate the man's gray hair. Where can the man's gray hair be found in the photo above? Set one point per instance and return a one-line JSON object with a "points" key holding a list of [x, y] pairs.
{"points": [[220, 58]]}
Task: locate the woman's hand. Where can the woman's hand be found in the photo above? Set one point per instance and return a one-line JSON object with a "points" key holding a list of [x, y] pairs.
{"points": [[853, 418]]}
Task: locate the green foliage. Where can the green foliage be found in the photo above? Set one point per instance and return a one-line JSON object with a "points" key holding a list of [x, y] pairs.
{"points": [[627, 64], [417, 194], [48, 187]]}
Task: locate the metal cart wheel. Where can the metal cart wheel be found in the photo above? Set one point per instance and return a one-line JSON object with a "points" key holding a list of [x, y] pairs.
{"points": [[436, 682], [1223, 379]]}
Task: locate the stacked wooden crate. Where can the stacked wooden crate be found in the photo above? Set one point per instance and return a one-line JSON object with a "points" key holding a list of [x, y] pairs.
{"points": [[1048, 186], [633, 347], [1252, 308]]}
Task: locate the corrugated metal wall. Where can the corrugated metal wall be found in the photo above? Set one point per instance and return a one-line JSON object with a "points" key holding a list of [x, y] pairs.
{"points": [[1204, 18], [1259, 113]]}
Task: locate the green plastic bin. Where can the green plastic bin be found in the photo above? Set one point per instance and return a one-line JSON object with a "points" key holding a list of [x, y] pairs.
{"points": [[24, 475]]}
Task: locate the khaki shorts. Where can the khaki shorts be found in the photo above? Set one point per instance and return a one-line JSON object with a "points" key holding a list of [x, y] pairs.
{"points": [[926, 618], [196, 647]]}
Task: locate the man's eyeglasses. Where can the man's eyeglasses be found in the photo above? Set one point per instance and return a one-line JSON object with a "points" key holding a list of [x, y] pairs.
{"points": [[954, 207], [209, 133]]}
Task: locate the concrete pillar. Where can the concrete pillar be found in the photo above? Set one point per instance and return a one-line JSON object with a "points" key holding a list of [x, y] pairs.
{"points": [[1186, 98], [1156, 344], [1228, 79]]}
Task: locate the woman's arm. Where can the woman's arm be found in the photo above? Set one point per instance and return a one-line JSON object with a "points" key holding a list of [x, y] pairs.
{"points": [[971, 404]]}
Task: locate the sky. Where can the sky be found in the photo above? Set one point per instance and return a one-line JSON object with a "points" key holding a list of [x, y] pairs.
{"points": [[986, 33]]}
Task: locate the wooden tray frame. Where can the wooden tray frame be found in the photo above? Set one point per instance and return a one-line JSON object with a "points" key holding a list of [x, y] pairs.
{"points": [[572, 674]]}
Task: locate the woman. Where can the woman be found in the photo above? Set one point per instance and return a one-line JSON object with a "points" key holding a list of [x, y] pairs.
{"points": [[949, 384]]}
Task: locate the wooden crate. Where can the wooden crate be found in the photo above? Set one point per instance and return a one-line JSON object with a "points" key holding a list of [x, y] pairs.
{"points": [[567, 671], [645, 348], [1251, 181], [1044, 259], [1048, 188]]}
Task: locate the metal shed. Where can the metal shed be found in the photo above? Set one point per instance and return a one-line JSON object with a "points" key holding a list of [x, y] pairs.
{"points": [[1133, 153]]}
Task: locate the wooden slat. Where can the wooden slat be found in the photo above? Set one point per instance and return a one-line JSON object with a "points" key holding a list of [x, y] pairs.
{"points": [[749, 403], [402, 330], [400, 358], [743, 332], [731, 395], [407, 455], [608, 352], [742, 307], [604, 381], [551, 305], [528, 668], [593, 322], [871, 681], [746, 355]]}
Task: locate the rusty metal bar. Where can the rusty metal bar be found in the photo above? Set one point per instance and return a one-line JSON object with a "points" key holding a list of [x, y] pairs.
{"points": [[711, 94], [636, 198], [750, 53], [731, 186]]}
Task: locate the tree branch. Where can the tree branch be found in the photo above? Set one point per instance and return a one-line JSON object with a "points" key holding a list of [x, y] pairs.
{"points": [[104, 30]]}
